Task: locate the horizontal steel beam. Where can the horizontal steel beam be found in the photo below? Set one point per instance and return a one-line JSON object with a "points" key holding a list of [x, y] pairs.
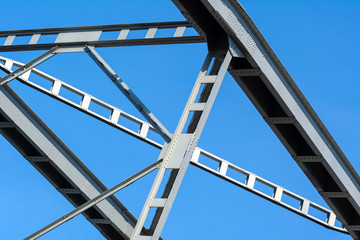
{"points": [[104, 28], [119, 35]]}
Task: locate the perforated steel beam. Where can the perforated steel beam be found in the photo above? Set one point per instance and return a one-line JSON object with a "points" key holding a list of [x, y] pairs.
{"points": [[46, 38]]}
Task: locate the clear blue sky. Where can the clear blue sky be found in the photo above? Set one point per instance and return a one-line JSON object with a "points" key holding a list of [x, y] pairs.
{"points": [[317, 41]]}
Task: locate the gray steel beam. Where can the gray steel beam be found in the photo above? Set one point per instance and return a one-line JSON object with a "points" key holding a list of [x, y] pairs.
{"points": [[93, 35], [275, 95], [56, 92], [45, 151], [250, 184], [94, 201], [177, 154], [144, 127], [130, 95], [27, 67]]}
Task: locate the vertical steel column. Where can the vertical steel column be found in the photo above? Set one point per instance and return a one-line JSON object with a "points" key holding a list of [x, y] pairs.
{"points": [[177, 154]]}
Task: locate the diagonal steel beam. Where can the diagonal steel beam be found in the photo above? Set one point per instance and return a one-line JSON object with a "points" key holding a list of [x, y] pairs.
{"points": [[50, 156], [94, 201], [27, 67], [140, 106]]}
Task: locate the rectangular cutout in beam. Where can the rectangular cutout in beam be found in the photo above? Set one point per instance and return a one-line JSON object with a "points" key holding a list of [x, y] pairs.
{"points": [[291, 200], [264, 188], [20, 142], [318, 213], [237, 175], [262, 95], [295, 140], [321, 176], [52, 173]]}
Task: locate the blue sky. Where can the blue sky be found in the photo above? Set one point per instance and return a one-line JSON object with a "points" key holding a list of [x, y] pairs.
{"points": [[318, 43]]}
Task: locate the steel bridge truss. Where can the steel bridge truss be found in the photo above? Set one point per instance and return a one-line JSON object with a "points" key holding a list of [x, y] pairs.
{"points": [[235, 45], [142, 134]]}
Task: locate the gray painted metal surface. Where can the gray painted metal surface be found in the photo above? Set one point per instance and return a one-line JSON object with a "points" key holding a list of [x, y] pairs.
{"points": [[27, 67], [223, 165], [40, 146], [94, 201], [226, 27], [130, 95], [275, 95], [178, 153], [92, 35]]}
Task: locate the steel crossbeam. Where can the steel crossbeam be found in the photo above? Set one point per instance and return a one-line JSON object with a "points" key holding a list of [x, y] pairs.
{"points": [[93, 35], [220, 172]]}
